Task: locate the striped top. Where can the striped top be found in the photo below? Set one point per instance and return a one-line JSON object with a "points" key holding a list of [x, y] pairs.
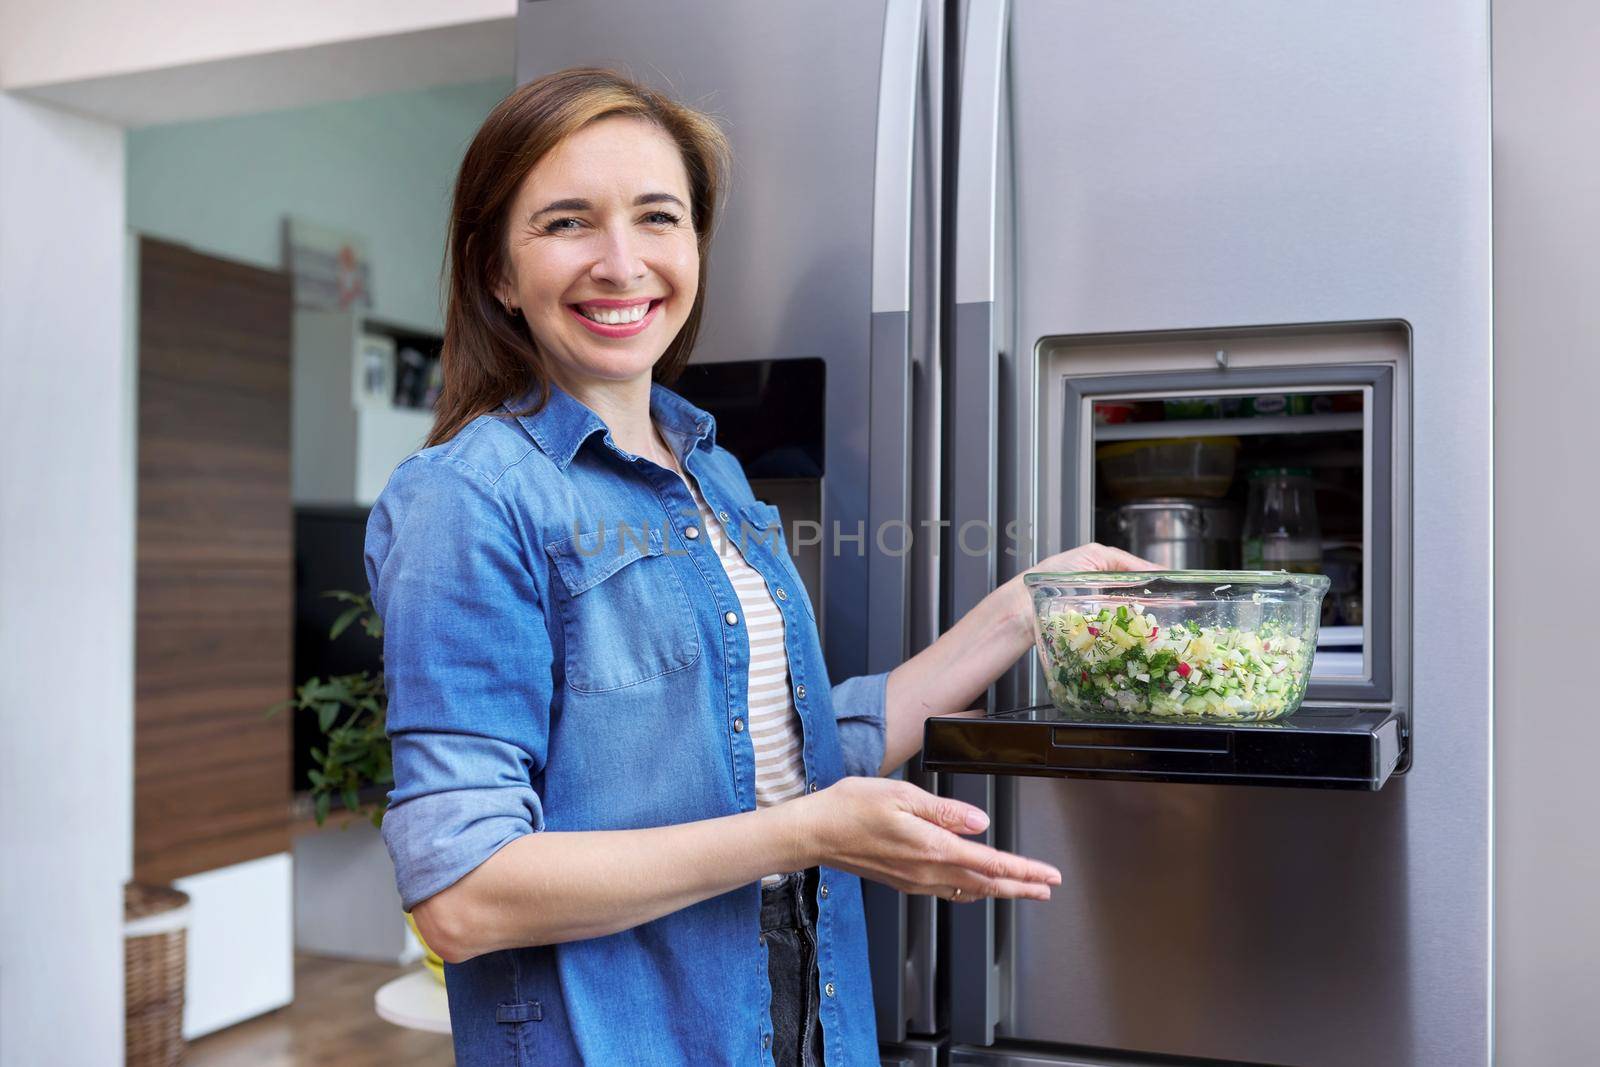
{"points": [[770, 717]]}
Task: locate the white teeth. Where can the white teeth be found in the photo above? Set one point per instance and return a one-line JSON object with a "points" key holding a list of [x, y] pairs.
{"points": [[615, 316]]}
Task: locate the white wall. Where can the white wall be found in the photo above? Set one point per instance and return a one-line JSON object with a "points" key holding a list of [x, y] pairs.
{"points": [[66, 588], [381, 166], [1547, 515], [71, 40], [67, 395]]}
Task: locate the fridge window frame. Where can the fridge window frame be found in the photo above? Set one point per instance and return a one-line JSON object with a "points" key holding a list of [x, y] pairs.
{"points": [[1379, 456]]}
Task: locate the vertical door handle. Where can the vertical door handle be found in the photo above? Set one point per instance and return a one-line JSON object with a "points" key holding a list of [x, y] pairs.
{"points": [[889, 436], [975, 999], [889, 432]]}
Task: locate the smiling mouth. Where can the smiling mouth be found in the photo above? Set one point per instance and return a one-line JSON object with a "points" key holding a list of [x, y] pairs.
{"points": [[615, 314]]}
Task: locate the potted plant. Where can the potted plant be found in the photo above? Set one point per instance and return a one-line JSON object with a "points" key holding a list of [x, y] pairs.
{"points": [[354, 765]]}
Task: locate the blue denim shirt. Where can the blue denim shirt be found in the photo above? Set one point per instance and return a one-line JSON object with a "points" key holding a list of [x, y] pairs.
{"points": [[559, 656]]}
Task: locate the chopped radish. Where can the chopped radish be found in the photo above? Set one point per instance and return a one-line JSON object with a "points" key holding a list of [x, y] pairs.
{"points": [[1183, 670]]}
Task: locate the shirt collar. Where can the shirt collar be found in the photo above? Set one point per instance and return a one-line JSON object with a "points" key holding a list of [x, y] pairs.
{"points": [[564, 423]]}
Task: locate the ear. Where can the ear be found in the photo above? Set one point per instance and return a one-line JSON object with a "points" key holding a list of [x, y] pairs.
{"points": [[505, 289], [505, 293]]}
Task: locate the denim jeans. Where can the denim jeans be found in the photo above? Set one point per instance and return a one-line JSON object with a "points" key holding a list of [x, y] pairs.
{"points": [[789, 931]]}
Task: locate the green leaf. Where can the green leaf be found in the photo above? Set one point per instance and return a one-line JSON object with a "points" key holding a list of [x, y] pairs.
{"points": [[322, 804], [342, 623], [326, 714]]}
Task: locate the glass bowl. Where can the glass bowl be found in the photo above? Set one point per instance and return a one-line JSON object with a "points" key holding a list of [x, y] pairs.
{"points": [[1177, 645]]}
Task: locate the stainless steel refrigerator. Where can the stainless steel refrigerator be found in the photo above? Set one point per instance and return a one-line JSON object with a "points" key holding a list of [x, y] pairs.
{"points": [[1017, 235]]}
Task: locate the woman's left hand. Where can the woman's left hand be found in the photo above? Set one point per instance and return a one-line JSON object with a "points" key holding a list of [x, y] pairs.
{"points": [[1090, 557], [949, 675]]}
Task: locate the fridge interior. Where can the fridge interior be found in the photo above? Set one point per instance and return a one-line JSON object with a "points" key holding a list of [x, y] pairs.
{"points": [[1173, 480]]}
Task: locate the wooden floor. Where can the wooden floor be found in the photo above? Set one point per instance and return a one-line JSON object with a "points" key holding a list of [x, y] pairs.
{"points": [[331, 1022]]}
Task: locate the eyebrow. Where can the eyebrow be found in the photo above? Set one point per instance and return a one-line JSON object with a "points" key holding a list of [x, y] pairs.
{"points": [[584, 205]]}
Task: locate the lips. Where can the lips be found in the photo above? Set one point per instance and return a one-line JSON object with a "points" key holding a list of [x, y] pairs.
{"points": [[615, 309]]}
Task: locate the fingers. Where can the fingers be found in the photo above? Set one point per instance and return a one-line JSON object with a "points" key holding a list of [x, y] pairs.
{"points": [[1098, 557], [1115, 559], [978, 889], [991, 865], [927, 853], [953, 815]]}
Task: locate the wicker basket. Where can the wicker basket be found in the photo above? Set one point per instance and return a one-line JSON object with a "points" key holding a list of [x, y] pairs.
{"points": [[155, 921]]}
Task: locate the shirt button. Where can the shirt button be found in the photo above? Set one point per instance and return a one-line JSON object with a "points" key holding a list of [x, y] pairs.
{"points": [[800, 691], [822, 890], [738, 726], [828, 989], [781, 594], [766, 1040], [731, 618], [692, 532], [723, 515], [813, 787]]}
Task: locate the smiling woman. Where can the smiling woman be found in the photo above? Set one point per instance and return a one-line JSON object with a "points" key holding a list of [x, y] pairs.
{"points": [[615, 262], [631, 809], [577, 204]]}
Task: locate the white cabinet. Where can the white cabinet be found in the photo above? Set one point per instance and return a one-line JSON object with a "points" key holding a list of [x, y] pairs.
{"points": [[344, 443], [346, 904], [240, 944]]}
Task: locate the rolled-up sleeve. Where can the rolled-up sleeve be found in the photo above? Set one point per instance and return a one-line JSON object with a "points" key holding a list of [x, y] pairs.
{"points": [[467, 665], [858, 707]]}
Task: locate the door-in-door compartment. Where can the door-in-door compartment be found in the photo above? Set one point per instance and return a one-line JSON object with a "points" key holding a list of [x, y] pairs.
{"points": [[1317, 747], [1327, 404]]}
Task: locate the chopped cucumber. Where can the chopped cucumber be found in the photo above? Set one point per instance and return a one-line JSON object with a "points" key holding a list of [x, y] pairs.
{"points": [[1126, 660]]}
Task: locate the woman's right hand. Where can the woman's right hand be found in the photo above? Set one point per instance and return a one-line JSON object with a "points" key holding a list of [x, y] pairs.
{"points": [[893, 832]]}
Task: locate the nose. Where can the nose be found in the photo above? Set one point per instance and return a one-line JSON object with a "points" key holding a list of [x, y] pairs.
{"points": [[619, 263]]}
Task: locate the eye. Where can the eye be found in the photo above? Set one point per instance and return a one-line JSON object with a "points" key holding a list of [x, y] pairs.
{"points": [[556, 224], [662, 218]]}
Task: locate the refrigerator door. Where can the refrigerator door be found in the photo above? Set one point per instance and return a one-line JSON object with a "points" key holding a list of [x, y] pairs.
{"points": [[1223, 166], [974, 456], [826, 248]]}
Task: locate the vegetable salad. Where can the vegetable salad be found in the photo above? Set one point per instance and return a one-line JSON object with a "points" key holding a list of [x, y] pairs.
{"points": [[1124, 659]]}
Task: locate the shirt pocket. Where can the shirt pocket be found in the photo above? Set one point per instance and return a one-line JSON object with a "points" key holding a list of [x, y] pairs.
{"points": [[763, 533], [624, 613]]}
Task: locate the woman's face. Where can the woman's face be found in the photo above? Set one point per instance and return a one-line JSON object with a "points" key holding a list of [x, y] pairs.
{"points": [[602, 251]]}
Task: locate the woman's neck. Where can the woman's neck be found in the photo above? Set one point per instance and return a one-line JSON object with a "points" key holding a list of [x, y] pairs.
{"points": [[625, 409]]}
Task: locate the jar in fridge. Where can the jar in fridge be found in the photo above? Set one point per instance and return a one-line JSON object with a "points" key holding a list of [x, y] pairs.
{"points": [[1281, 531]]}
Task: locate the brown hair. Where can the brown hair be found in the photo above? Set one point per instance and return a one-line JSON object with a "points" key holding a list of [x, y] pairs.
{"points": [[488, 355]]}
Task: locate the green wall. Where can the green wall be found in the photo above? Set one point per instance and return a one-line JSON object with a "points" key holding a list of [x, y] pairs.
{"points": [[381, 167]]}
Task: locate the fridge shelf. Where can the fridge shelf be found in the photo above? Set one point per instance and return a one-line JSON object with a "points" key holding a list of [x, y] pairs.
{"points": [[1270, 424], [1317, 748]]}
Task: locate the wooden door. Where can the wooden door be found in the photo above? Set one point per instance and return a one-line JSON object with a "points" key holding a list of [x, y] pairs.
{"points": [[214, 588]]}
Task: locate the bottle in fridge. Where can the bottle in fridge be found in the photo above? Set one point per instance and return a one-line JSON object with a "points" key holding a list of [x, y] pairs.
{"points": [[1281, 531]]}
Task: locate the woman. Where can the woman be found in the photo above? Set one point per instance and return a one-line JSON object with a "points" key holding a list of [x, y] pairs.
{"points": [[630, 809]]}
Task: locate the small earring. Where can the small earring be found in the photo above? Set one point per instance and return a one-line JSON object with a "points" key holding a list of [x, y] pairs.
{"points": [[511, 310]]}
